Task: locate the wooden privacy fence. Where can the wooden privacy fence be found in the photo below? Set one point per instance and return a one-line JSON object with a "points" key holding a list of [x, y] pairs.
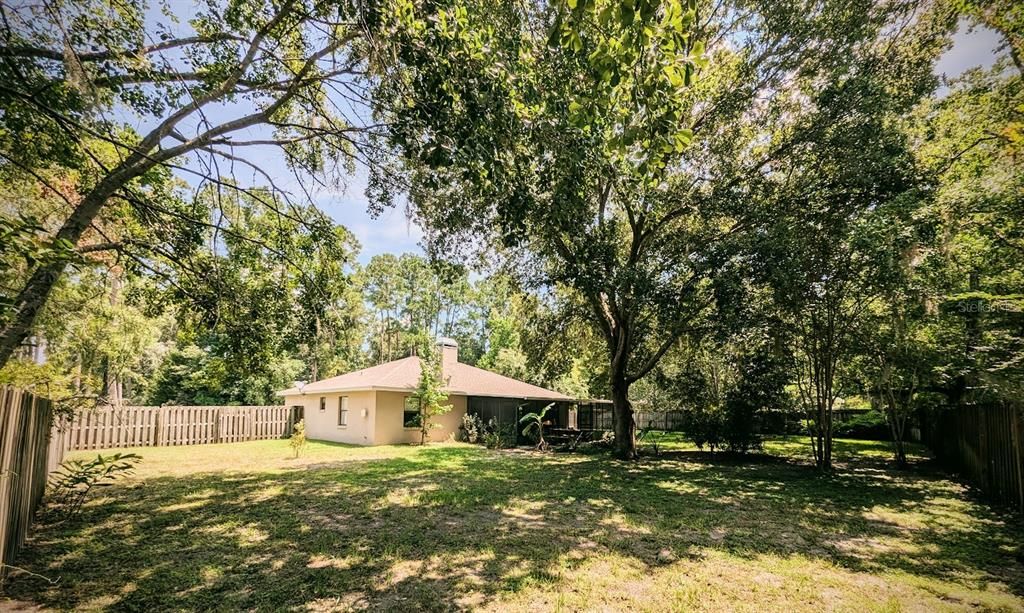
{"points": [[984, 443], [173, 425], [26, 458]]}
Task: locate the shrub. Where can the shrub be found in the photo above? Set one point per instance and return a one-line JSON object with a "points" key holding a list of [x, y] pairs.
{"points": [[604, 444], [742, 425], [472, 429], [73, 481], [761, 386], [705, 426], [298, 438], [498, 437], [870, 425]]}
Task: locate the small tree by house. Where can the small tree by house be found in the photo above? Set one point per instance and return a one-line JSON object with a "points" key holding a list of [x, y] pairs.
{"points": [[430, 396], [298, 438], [535, 421]]}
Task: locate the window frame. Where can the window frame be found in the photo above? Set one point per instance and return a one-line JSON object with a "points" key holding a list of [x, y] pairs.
{"points": [[406, 410], [323, 404], [342, 411]]}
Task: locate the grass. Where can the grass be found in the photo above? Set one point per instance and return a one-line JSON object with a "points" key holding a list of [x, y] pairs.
{"points": [[450, 526]]}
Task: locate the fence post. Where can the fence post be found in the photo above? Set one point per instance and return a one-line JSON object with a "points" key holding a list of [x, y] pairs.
{"points": [[1018, 451], [158, 422], [25, 451]]}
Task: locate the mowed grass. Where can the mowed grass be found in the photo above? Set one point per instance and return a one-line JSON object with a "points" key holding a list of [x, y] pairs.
{"points": [[450, 526]]}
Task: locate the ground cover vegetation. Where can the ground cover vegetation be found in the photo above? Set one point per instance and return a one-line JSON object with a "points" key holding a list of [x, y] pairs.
{"points": [[447, 526]]}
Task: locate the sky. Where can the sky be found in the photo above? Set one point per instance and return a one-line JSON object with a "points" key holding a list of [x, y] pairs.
{"points": [[392, 232], [971, 47]]}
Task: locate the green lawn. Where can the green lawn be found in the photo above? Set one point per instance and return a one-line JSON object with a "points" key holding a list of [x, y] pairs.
{"points": [[450, 526]]}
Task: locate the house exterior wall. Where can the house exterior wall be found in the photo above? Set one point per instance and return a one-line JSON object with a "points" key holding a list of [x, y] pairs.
{"points": [[324, 426], [388, 420]]}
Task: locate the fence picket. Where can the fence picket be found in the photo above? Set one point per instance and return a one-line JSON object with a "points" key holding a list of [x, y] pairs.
{"points": [[983, 443], [26, 458], [108, 428]]}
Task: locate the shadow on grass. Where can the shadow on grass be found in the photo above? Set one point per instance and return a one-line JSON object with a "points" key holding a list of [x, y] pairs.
{"points": [[457, 527]]}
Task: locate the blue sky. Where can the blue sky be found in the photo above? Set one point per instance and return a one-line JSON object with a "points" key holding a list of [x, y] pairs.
{"points": [[971, 47], [392, 232]]}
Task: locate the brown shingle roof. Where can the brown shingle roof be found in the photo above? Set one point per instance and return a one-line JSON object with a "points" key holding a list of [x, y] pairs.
{"points": [[403, 375]]}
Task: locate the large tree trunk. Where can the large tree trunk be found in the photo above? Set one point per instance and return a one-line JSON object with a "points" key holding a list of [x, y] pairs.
{"points": [[37, 289], [622, 410]]}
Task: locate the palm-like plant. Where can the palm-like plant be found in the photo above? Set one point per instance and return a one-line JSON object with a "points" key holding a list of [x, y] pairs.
{"points": [[536, 421]]}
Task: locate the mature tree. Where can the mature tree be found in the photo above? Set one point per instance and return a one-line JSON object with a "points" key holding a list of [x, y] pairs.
{"points": [[603, 104], [818, 250], [971, 139], [897, 363], [286, 68], [292, 296], [97, 343], [565, 132], [820, 259]]}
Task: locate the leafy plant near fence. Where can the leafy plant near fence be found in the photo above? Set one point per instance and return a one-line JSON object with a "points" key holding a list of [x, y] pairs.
{"points": [[72, 482]]}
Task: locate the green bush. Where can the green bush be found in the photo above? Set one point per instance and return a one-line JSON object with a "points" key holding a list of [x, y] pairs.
{"points": [[870, 425], [496, 436], [602, 445], [706, 427], [490, 434]]}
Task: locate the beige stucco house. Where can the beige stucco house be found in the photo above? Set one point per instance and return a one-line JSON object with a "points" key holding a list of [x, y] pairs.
{"points": [[372, 406]]}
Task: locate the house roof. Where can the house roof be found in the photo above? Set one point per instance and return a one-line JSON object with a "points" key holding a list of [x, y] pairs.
{"points": [[403, 375]]}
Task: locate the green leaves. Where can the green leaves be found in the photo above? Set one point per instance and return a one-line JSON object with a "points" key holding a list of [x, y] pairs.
{"points": [[639, 53], [429, 395], [71, 483]]}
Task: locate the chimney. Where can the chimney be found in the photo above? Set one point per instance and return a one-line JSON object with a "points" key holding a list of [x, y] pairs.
{"points": [[449, 351]]}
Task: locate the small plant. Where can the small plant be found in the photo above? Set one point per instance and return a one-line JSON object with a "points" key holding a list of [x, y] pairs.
{"points": [[73, 481], [298, 438], [493, 440], [494, 436], [535, 422], [472, 429], [649, 438]]}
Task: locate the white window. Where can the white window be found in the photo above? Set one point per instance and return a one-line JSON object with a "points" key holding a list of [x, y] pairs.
{"points": [[343, 411], [411, 413]]}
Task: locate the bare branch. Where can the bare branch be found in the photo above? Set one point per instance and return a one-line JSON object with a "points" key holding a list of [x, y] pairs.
{"points": [[108, 54]]}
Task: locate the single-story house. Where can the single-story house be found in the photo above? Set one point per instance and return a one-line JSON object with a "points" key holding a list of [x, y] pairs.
{"points": [[373, 406]]}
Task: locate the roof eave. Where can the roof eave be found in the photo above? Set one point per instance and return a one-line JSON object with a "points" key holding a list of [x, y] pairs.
{"points": [[380, 388], [335, 390]]}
